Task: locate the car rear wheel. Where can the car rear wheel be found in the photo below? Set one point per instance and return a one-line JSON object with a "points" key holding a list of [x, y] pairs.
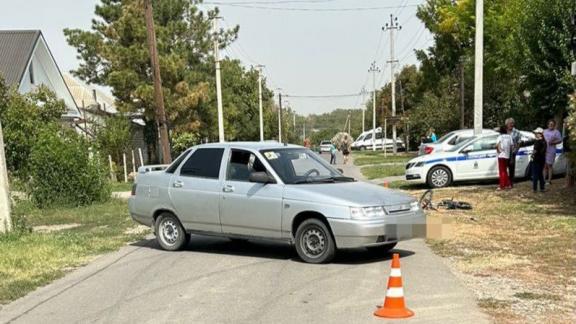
{"points": [[314, 242], [169, 233], [439, 177], [382, 248]]}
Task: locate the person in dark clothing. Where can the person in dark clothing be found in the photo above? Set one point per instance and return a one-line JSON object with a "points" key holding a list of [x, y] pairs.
{"points": [[538, 160]]}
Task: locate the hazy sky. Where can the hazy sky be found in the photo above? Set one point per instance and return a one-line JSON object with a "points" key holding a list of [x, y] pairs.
{"points": [[305, 52]]}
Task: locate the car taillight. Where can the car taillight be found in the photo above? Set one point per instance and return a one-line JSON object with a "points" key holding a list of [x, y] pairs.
{"points": [[428, 149], [133, 193]]}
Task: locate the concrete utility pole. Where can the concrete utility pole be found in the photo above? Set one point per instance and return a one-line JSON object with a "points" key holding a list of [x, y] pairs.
{"points": [[349, 122], [260, 102], [5, 220], [363, 93], [158, 95], [478, 67], [221, 138], [462, 102], [392, 27], [279, 116], [374, 69]]}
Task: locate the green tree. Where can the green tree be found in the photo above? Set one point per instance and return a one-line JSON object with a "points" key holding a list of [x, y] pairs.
{"points": [[114, 138]]}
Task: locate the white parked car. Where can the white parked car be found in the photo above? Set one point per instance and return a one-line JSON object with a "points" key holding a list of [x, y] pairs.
{"points": [[325, 146], [449, 140], [364, 141], [474, 159]]}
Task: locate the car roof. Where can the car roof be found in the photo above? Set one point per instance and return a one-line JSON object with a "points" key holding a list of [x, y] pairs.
{"points": [[265, 145]]}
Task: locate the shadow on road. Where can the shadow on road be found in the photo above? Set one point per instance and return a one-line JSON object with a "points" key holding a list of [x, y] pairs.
{"points": [[272, 250]]}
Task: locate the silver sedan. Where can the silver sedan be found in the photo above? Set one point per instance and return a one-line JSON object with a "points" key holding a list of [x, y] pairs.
{"points": [[273, 191]]}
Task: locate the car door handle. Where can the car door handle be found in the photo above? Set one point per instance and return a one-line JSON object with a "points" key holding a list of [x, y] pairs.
{"points": [[228, 188], [178, 184]]}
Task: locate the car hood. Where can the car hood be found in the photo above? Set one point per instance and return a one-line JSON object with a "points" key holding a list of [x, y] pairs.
{"points": [[347, 194]]}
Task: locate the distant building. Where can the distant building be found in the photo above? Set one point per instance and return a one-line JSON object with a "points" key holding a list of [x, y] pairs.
{"points": [[26, 63]]}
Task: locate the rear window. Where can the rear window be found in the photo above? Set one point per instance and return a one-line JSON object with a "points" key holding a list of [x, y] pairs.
{"points": [[325, 143], [203, 163]]}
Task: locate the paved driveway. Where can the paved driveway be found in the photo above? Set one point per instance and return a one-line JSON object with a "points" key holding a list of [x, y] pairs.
{"points": [[219, 281]]}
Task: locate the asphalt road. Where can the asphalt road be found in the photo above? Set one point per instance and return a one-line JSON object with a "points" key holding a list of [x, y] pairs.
{"points": [[219, 281]]}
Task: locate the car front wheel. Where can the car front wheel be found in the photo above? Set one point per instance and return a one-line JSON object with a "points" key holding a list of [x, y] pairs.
{"points": [[439, 177], [314, 242], [169, 233]]}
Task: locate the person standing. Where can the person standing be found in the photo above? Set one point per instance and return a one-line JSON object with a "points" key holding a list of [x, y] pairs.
{"points": [[345, 148], [333, 151], [516, 138], [538, 160], [552, 137], [432, 136], [570, 165], [504, 147]]}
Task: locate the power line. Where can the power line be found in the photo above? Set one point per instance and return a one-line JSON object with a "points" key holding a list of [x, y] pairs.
{"points": [[273, 2], [324, 96], [307, 9]]}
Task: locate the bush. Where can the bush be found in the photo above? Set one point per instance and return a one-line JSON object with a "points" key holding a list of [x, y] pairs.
{"points": [[62, 173]]}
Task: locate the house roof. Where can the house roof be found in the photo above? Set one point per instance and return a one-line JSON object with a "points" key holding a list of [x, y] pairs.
{"points": [[83, 95], [16, 47]]}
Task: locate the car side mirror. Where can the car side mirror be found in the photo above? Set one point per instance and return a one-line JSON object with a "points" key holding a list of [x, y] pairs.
{"points": [[467, 149], [261, 177]]}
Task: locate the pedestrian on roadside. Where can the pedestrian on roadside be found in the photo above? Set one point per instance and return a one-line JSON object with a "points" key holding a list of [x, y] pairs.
{"points": [[570, 165], [516, 138], [538, 160], [504, 148], [333, 151], [432, 135], [552, 137]]}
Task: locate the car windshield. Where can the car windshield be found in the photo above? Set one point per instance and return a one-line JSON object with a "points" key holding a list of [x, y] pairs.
{"points": [[361, 137], [461, 144], [301, 166], [444, 138]]}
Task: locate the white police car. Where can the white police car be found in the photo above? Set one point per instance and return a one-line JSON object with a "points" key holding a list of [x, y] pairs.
{"points": [[474, 159]]}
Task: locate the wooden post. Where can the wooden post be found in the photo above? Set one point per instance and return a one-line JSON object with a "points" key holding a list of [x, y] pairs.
{"points": [[112, 177], [158, 95], [141, 159], [125, 169], [5, 219], [133, 164]]}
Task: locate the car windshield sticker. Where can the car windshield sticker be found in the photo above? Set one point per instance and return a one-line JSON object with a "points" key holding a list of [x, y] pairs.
{"points": [[271, 155]]}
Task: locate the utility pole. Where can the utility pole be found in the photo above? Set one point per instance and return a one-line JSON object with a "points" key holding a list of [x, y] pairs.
{"points": [[478, 67], [349, 122], [374, 69], [5, 220], [304, 129], [218, 82], [260, 110], [392, 27], [279, 116], [158, 95], [462, 102], [363, 93]]}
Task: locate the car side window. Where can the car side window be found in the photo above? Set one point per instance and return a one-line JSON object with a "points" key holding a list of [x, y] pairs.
{"points": [[203, 163], [379, 135], [369, 136], [241, 164], [483, 144]]}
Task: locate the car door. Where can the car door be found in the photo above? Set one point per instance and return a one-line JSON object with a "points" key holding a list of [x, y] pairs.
{"points": [[248, 208], [195, 190], [480, 161]]}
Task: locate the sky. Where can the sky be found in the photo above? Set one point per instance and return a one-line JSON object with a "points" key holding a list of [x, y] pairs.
{"points": [[308, 47]]}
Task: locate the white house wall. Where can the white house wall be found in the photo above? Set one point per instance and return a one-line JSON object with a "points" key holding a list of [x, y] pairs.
{"points": [[46, 72]]}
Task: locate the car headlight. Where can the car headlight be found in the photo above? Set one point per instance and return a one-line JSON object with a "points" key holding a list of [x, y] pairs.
{"points": [[367, 212], [414, 206]]}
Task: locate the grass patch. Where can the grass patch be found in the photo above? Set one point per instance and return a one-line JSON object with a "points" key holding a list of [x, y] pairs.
{"points": [[367, 158], [121, 186], [31, 260], [534, 296], [382, 171]]}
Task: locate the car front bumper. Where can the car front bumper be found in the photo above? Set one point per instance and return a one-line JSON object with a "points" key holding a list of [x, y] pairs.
{"points": [[416, 175], [350, 233]]}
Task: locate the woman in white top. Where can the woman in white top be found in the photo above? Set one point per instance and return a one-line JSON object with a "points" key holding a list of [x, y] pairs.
{"points": [[504, 145]]}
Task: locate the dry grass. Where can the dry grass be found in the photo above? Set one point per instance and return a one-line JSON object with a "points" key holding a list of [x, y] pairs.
{"points": [[516, 250]]}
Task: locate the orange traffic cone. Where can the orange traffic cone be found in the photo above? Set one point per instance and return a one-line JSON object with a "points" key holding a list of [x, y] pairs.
{"points": [[394, 306]]}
